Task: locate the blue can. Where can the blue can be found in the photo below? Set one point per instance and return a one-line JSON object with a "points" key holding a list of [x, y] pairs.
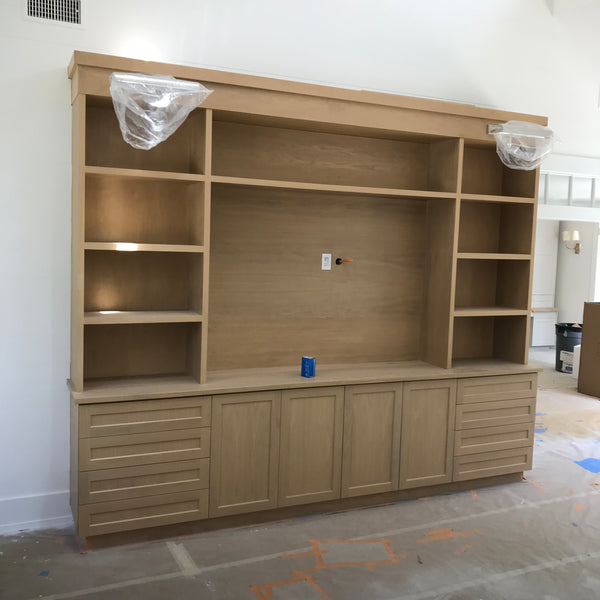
{"points": [[308, 366]]}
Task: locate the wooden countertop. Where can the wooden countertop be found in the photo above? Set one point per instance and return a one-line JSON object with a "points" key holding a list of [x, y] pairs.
{"points": [[249, 380]]}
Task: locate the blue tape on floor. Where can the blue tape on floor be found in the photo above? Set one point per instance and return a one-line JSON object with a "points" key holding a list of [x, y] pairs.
{"points": [[590, 464]]}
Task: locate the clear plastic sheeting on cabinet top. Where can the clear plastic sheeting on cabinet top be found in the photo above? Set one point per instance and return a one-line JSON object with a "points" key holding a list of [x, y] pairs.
{"points": [[150, 108], [522, 145]]}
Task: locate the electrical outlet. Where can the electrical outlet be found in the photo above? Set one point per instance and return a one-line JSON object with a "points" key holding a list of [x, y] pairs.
{"points": [[325, 262]]}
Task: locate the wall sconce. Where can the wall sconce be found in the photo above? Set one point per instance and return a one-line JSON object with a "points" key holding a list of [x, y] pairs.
{"points": [[572, 236]]}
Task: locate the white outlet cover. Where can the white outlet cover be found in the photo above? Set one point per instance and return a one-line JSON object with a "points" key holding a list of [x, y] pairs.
{"points": [[325, 262]]}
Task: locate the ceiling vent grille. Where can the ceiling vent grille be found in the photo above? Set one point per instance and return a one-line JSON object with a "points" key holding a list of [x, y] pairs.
{"points": [[64, 11]]}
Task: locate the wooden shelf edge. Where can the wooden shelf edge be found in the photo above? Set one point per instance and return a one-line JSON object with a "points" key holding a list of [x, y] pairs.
{"points": [[140, 316], [491, 256], [488, 311], [144, 174], [323, 187], [490, 198], [133, 247]]}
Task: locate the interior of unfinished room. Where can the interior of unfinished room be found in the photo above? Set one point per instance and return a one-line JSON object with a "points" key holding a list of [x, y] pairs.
{"points": [[328, 327]]}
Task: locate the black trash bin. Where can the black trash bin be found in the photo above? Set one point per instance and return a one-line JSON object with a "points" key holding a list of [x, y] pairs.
{"points": [[568, 335]]}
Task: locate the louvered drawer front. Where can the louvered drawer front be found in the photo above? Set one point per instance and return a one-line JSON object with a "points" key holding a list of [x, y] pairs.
{"points": [[487, 439], [488, 464], [104, 485], [137, 513], [490, 389], [143, 448], [499, 412], [146, 416]]}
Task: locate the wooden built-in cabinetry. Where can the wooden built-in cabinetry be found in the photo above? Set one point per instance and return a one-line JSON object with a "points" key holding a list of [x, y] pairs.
{"points": [[197, 287]]}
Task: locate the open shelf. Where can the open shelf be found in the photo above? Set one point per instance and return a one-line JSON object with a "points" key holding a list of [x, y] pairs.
{"points": [[484, 173], [495, 227], [488, 311], [143, 210], [142, 281], [329, 188], [134, 247], [491, 256], [121, 317], [491, 337], [502, 199], [183, 152], [502, 284], [142, 174], [283, 153], [131, 350]]}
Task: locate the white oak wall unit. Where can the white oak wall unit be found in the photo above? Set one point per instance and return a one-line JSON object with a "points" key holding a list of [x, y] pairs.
{"points": [[197, 287]]}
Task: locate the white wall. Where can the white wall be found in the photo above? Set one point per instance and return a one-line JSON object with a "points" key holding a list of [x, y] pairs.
{"points": [[510, 54], [575, 274], [544, 267]]}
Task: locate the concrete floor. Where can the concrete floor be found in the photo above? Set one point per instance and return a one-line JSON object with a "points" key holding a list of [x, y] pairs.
{"points": [[536, 539]]}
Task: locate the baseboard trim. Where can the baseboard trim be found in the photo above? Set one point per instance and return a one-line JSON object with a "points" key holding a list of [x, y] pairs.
{"points": [[40, 511]]}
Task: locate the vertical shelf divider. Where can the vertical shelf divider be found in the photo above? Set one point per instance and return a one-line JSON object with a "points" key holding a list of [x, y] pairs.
{"points": [[206, 260], [531, 253], [459, 186], [77, 240], [442, 228]]}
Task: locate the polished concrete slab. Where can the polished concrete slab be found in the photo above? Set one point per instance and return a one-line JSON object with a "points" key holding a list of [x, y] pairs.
{"points": [[535, 539]]}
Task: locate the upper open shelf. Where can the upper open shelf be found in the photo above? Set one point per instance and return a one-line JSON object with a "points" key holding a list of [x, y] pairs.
{"points": [[495, 228], [286, 153], [143, 281], [183, 152], [484, 173], [143, 211]]}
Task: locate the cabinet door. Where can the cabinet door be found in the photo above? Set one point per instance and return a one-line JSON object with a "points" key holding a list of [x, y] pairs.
{"points": [[371, 449], [426, 451], [244, 452], [310, 465]]}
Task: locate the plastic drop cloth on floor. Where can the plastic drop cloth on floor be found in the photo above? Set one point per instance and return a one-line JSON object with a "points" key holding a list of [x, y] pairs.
{"points": [[538, 539]]}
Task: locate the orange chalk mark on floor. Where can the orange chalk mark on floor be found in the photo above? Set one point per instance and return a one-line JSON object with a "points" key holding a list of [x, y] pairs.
{"points": [[445, 534], [475, 495], [464, 548], [425, 498], [579, 507], [538, 485], [265, 591]]}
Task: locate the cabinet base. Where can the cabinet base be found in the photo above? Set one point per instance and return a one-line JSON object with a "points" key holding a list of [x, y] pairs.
{"points": [[332, 506]]}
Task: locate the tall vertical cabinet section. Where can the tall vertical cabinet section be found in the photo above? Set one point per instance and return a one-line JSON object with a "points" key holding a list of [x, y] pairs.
{"points": [[197, 286]]}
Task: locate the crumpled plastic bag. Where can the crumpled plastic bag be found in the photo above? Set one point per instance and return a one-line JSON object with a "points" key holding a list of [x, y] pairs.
{"points": [[150, 108], [522, 145]]}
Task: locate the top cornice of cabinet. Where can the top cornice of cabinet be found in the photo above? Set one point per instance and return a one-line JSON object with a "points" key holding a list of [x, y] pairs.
{"points": [[271, 97]]}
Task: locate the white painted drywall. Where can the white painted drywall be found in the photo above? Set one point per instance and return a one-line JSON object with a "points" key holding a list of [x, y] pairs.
{"points": [[544, 266], [544, 283], [575, 275], [511, 54]]}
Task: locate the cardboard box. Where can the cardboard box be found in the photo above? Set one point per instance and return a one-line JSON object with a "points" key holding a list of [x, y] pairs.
{"points": [[589, 363]]}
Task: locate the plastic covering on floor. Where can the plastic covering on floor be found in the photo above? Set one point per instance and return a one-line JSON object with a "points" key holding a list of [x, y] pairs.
{"points": [[538, 539]]}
